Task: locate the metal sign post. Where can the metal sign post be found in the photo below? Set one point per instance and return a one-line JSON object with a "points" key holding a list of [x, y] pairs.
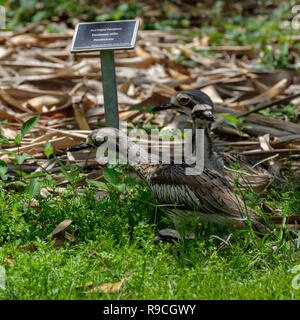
{"points": [[106, 37], [109, 89]]}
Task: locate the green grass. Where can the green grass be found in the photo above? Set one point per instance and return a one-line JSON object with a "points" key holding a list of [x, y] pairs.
{"points": [[115, 241]]}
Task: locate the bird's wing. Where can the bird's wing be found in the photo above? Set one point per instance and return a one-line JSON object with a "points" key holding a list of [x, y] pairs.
{"points": [[208, 192]]}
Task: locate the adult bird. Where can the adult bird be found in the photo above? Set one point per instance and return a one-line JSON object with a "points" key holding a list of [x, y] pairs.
{"points": [[206, 196], [198, 105]]}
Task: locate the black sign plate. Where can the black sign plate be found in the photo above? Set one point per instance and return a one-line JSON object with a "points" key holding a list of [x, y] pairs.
{"points": [[108, 35]]}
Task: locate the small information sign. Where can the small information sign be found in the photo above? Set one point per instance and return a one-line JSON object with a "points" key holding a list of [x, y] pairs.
{"points": [[108, 35]]}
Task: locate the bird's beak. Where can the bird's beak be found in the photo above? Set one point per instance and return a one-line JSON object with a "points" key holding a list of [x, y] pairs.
{"points": [[164, 106], [78, 147], [208, 115], [200, 112]]}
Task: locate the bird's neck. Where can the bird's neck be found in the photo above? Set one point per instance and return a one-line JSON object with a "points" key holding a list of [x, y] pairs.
{"points": [[137, 154], [144, 163], [211, 160]]}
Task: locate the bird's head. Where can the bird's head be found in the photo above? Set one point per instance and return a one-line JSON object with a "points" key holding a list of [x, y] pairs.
{"points": [[96, 139], [194, 103], [116, 145]]}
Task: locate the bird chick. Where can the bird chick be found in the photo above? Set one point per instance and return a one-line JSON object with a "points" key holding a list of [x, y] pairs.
{"points": [[207, 196]]}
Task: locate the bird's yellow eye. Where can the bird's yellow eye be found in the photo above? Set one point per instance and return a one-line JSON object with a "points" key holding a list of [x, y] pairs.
{"points": [[100, 140], [184, 100]]}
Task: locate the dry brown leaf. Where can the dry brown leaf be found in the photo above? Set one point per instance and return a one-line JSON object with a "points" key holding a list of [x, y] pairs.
{"points": [[122, 99], [4, 115], [47, 101], [5, 158], [167, 235], [12, 101], [80, 117], [23, 39], [31, 64], [57, 144], [266, 95], [59, 233], [265, 142], [129, 115], [242, 50], [272, 123], [33, 203], [25, 92], [61, 227], [136, 62], [9, 260], [108, 287], [28, 247], [8, 133], [257, 154], [141, 52], [259, 86], [5, 52], [177, 75], [88, 103], [45, 137], [213, 94]]}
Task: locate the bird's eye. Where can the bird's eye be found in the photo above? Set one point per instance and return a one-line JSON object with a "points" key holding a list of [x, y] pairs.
{"points": [[184, 100], [99, 140]]}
